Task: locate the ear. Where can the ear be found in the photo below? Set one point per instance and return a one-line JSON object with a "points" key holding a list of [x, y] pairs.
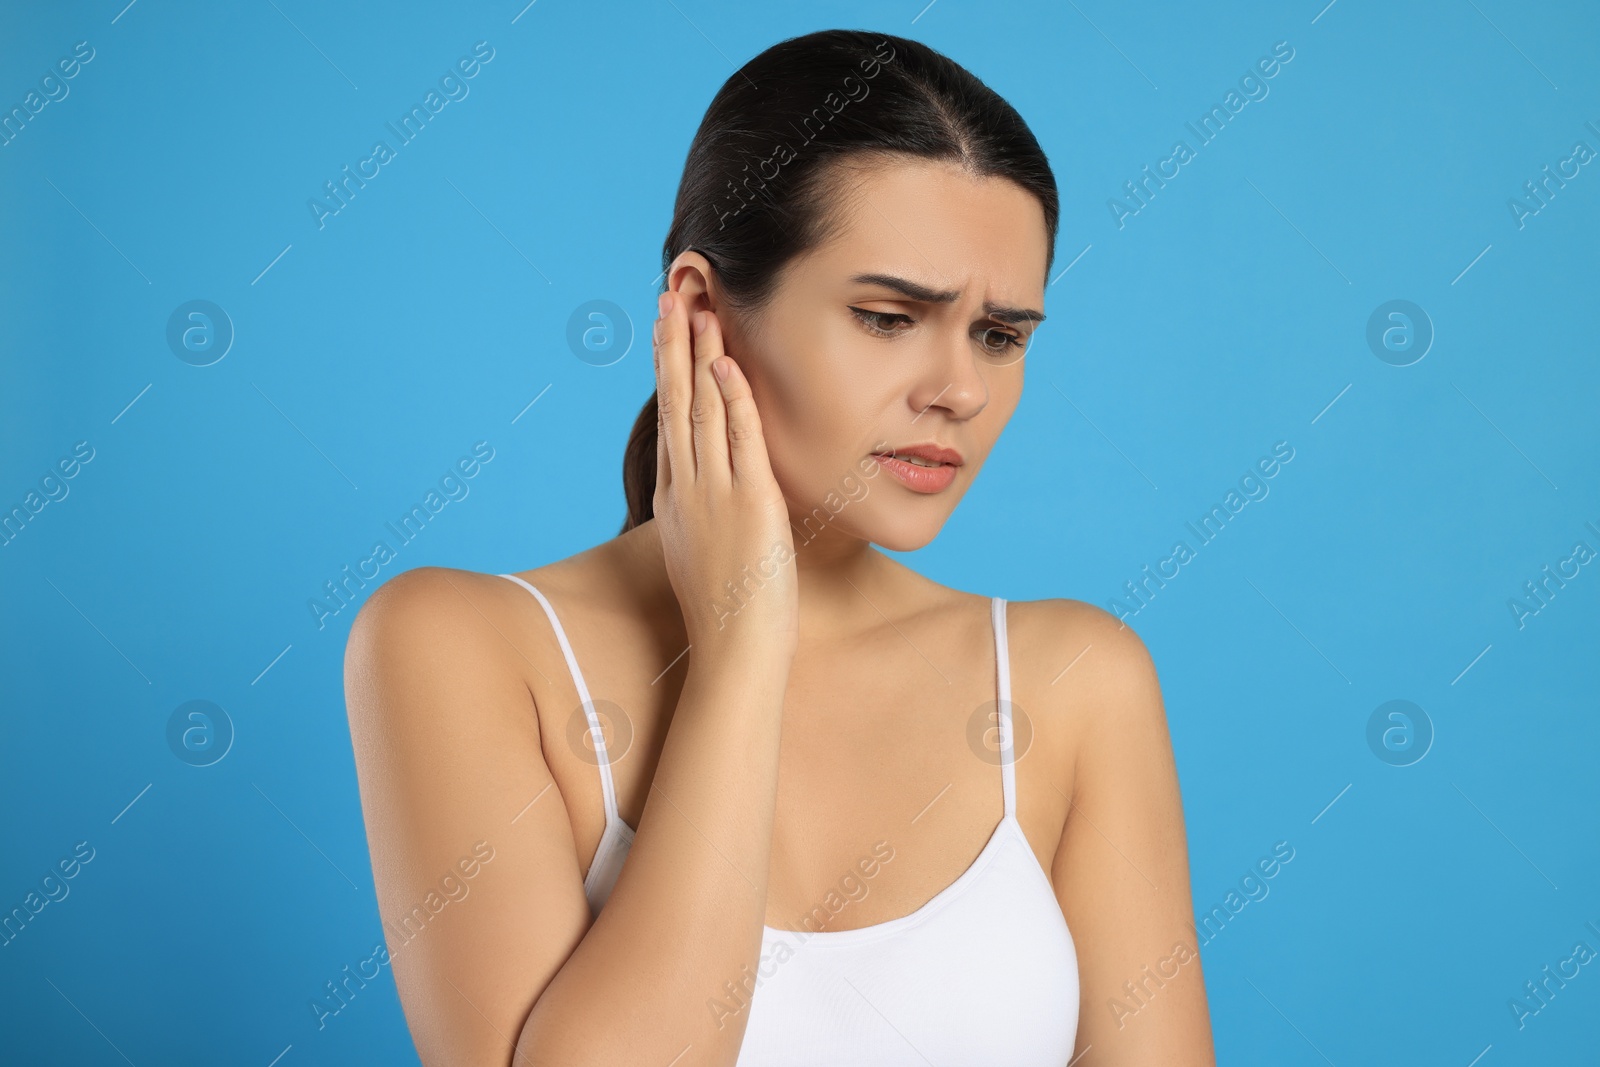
{"points": [[694, 278]]}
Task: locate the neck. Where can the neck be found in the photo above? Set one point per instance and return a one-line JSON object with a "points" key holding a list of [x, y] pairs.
{"points": [[845, 583]]}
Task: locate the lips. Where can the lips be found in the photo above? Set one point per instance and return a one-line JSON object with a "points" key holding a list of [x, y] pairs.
{"points": [[928, 452], [932, 470]]}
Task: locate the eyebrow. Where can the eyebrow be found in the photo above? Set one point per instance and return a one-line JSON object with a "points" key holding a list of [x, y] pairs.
{"points": [[914, 291]]}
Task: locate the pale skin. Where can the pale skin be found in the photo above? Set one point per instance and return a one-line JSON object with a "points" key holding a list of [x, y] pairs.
{"points": [[827, 715]]}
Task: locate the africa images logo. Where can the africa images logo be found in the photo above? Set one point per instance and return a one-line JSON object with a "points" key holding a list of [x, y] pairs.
{"points": [[811, 126], [452, 84]]}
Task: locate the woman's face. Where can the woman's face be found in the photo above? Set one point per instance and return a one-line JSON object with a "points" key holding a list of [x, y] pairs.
{"points": [[902, 330]]}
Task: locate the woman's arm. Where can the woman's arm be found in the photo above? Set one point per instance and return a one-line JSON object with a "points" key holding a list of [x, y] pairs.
{"points": [[509, 970], [1122, 869]]}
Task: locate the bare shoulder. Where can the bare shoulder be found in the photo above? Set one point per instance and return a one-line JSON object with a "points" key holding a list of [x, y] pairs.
{"points": [[423, 607], [1089, 651], [422, 634], [419, 597], [440, 608], [1089, 685], [446, 627]]}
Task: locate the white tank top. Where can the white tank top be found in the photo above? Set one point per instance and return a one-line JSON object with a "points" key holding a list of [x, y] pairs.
{"points": [[984, 973]]}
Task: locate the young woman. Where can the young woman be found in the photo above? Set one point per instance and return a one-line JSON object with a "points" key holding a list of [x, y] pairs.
{"points": [[735, 787]]}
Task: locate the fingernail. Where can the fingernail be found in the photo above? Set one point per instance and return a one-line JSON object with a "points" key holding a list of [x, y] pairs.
{"points": [[699, 323], [663, 302]]}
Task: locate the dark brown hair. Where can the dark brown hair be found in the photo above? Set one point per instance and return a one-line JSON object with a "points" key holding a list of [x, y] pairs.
{"points": [[757, 182]]}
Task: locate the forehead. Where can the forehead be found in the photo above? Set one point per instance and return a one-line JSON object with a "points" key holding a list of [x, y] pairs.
{"points": [[939, 224]]}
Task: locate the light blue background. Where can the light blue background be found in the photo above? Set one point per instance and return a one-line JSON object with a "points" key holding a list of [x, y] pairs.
{"points": [[1229, 314]]}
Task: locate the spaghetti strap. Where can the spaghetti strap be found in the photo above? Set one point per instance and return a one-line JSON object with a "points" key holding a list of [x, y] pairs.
{"points": [[997, 934], [1002, 655], [595, 731]]}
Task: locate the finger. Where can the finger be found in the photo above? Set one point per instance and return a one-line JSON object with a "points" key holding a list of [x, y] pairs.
{"points": [[663, 459], [674, 389], [663, 464], [747, 445], [710, 415]]}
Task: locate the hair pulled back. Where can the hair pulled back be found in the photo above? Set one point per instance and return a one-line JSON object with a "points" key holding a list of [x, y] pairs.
{"points": [[771, 154]]}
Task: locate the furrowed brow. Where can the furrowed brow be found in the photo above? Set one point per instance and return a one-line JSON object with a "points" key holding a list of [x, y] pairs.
{"points": [[923, 294]]}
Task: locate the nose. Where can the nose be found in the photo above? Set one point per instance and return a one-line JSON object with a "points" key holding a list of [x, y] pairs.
{"points": [[951, 380]]}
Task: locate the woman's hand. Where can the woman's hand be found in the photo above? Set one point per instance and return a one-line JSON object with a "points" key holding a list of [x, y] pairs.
{"points": [[723, 520]]}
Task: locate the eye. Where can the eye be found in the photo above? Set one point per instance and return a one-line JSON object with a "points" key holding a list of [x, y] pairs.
{"points": [[995, 340], [878, 322], [1000, 342]]}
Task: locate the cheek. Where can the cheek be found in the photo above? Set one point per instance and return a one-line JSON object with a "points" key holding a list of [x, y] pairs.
{"points": [[813, 414], [798, 436]]}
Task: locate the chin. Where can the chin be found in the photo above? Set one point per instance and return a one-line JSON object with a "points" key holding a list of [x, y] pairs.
{"points": [[905, 539], [903, 531], [900, 531]]}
